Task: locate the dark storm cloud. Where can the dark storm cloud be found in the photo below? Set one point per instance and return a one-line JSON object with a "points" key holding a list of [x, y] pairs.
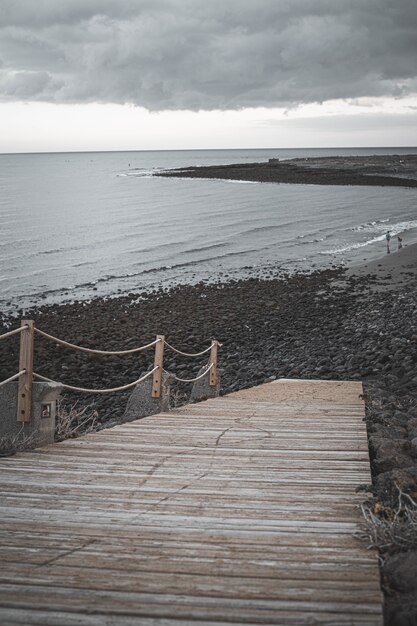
{"points": [[199, 54]]}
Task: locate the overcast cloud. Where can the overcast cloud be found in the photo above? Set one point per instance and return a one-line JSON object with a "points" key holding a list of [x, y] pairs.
{"points": [[206, 54]]}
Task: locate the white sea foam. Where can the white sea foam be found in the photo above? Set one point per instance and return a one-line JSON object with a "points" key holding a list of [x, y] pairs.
{"points": [[353, 246], [239, 182], [394, 229]]}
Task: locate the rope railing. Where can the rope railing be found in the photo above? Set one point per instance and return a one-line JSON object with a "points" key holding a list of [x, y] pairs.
{"points": [[100, 391], [16, 331], [67, 344], [26, 375], [12, 378], [193, 380], [189, 353]]}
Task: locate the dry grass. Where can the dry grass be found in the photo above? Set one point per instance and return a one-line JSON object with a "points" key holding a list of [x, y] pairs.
{"points": [[391, 530], [73, 420], [178, 398], [16, 443]]}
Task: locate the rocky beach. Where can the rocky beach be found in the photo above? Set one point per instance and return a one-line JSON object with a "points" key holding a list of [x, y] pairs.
{"points": [[356, 324]]}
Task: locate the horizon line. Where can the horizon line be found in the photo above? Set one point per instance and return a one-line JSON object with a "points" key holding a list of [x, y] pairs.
{"points": [[207, 149]]}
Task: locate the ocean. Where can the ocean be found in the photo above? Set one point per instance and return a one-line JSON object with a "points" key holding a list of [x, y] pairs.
{"points": [[80, 225]]}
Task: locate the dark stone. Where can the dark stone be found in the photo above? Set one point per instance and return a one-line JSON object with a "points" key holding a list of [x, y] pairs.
{"points": [[401, 571], [388, 483], [391, 462], [385, 447]]}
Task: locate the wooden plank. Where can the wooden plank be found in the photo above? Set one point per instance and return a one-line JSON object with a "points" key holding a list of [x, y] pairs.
{"points": [[192, 557], [159, 364], [68, 618], [213, 363], [150, 564], [282, 618], [24, 394], [262, 610]]}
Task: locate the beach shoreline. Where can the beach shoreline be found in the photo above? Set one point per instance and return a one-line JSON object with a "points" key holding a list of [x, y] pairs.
{"points": [[389, 272]]}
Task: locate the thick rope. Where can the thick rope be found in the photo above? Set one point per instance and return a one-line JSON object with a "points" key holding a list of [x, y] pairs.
{"points": [[14, 332], [192, 380], [103, 391], [91, 351], [9, 380], [190, 353]]}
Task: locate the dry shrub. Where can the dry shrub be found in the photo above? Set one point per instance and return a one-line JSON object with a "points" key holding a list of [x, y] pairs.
{"points": [[391, 530], [73, 420], [16, 443], [178, 398]]}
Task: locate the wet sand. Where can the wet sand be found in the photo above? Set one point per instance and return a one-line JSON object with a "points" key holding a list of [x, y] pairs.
{"points": [[395, 270]]}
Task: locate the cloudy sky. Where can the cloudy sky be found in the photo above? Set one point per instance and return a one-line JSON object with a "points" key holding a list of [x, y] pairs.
{"points": [[177, 74]]}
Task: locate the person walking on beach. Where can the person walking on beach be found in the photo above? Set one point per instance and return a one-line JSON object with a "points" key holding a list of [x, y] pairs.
{"points": [[400, 242], [388, 238]]}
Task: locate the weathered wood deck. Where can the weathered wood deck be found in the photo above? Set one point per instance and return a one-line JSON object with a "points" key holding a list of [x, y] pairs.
{"points": [[236, 510]]}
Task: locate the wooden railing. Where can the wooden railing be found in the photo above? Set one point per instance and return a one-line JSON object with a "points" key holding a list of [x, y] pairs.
{"points": [[26, 375]]}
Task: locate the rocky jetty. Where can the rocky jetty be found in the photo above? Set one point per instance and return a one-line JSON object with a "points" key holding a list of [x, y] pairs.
{"points": [[377, 170]]}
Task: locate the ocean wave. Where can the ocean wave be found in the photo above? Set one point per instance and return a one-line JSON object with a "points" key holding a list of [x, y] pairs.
{"points": [[384, 224], [55, 251], [201, 261], [134, 175], [258, 229], [312, 238], [156, 246], [240, 182], [66, 249], [402, 227], [373, 225], [150, 270], [213, 246], [269, 227], [197, 179], [354, 246], [138, 172]]}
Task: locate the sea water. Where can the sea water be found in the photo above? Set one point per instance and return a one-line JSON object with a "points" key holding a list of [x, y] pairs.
{"points": [[78, 225]]}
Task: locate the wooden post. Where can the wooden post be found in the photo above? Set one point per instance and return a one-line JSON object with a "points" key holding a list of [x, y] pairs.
{"points": [[213, 359], [159, 363], [24, 396]]}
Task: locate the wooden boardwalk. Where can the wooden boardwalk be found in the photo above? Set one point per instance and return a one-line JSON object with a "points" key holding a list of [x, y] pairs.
{"points": [[236, 510]]}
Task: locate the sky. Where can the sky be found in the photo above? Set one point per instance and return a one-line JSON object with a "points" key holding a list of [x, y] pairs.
{"points": [[199, 74]]}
